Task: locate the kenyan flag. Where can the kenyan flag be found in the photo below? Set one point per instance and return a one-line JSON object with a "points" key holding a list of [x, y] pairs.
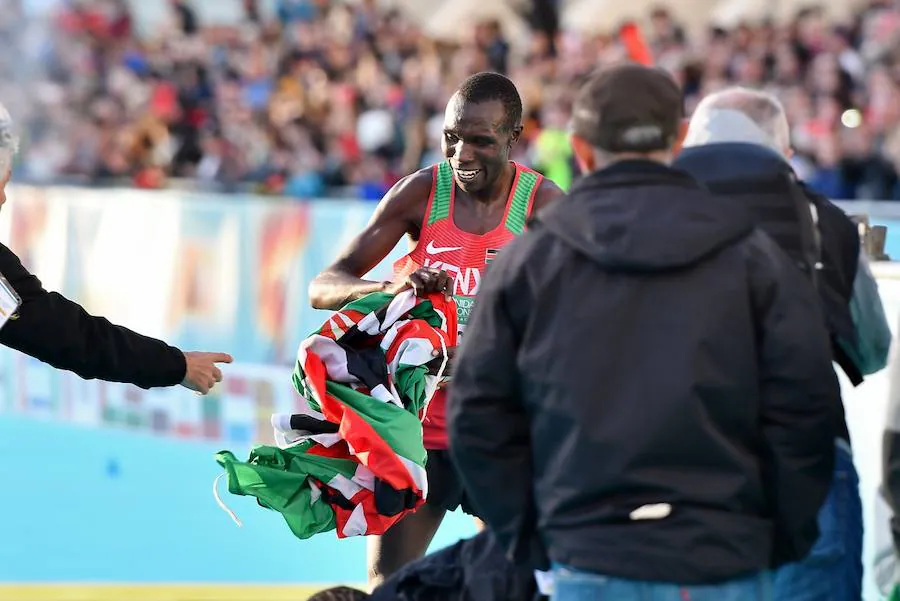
{"points": [[353, 458]]}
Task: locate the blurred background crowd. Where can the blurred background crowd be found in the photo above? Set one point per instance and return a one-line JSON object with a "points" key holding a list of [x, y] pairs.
{"points": [[316, 97]]}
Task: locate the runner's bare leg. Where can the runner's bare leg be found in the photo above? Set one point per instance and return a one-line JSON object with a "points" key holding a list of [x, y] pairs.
{"points": [[405, 541]]}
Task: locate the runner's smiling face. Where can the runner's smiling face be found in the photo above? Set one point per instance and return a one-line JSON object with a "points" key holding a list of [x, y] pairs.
{"points": [[477, 141]]}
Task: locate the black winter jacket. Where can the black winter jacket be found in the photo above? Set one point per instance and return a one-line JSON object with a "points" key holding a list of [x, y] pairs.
{"points": [[645, 389]]}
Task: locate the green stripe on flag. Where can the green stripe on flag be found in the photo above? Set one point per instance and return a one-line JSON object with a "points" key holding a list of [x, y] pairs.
{"points": [[278, 479], [399, 428]]}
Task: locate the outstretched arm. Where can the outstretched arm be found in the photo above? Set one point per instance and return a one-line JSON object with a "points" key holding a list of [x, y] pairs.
{"points": [[59, 332], [395, 215]]}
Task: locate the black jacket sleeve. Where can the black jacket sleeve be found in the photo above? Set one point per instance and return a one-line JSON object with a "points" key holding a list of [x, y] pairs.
{"points": [[487, 422], [57, 331], [800, 397], [841, 243]]}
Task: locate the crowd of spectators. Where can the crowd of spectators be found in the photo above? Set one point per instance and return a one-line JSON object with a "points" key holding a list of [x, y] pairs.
{"points": [[331, 97]]}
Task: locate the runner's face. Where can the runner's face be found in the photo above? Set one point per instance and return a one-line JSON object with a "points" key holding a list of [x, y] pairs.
{"points": [[477, 143]]}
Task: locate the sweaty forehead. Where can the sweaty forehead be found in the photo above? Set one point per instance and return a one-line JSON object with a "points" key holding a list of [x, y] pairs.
{"points": [[488, 116]]}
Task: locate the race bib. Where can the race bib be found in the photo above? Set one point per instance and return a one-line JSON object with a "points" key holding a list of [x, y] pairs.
{"points": [[464, 306]]}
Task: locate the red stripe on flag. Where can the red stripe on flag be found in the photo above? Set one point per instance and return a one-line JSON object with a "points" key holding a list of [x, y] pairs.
{"points": [[338, 450], [371, 450], [354, 316], [327, 331], [414, 329]]}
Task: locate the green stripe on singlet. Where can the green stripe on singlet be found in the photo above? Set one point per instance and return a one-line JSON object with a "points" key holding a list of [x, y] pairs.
{"points": [[518, 211], [443, 188]]}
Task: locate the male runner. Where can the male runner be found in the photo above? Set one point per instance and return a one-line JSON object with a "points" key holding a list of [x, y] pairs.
{"points": [[457, 215]]}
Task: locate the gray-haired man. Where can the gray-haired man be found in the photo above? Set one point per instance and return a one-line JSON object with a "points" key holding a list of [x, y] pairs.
{"points": [[738, 143]]}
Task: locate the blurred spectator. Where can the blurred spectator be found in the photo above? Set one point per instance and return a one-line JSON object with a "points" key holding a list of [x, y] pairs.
{"points": [[315, 96]]}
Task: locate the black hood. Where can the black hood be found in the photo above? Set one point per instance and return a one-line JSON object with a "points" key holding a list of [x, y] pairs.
{"points": [[644, 216], [729, 161]]}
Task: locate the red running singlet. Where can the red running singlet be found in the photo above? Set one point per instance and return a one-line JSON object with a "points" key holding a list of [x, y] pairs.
{"points": [[463, 255]]}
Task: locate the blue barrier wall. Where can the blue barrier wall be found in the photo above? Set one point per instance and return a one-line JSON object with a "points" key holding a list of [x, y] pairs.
{"points": [[108, 483], [88, 505]]}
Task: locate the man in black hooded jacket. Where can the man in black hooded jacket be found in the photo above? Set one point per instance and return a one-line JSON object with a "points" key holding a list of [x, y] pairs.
{"points": [[644, 399]]}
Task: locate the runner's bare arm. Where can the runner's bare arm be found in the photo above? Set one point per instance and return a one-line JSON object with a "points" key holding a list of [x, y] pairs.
{"points": [[399, 212], [547, 193]]}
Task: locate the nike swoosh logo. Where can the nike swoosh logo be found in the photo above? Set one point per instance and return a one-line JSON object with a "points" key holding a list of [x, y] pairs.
{"points": [[431, 249]]}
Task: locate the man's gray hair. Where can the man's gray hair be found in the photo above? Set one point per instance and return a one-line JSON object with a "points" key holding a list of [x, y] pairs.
{"points": [[9, 141], [740, 115]]}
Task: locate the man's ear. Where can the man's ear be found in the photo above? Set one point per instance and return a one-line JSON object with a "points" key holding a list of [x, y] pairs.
{"points": [[515, 135], [584, 154]]}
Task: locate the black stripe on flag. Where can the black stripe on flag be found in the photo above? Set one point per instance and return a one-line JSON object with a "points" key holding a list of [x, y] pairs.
{"points": [[490, 254], [365, 359]]}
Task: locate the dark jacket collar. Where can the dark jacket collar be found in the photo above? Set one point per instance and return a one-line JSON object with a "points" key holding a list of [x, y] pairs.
{"points": [[633, 172]]}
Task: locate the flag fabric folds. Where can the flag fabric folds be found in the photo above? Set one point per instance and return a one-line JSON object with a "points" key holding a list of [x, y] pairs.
{"points": [[352, 458]]}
